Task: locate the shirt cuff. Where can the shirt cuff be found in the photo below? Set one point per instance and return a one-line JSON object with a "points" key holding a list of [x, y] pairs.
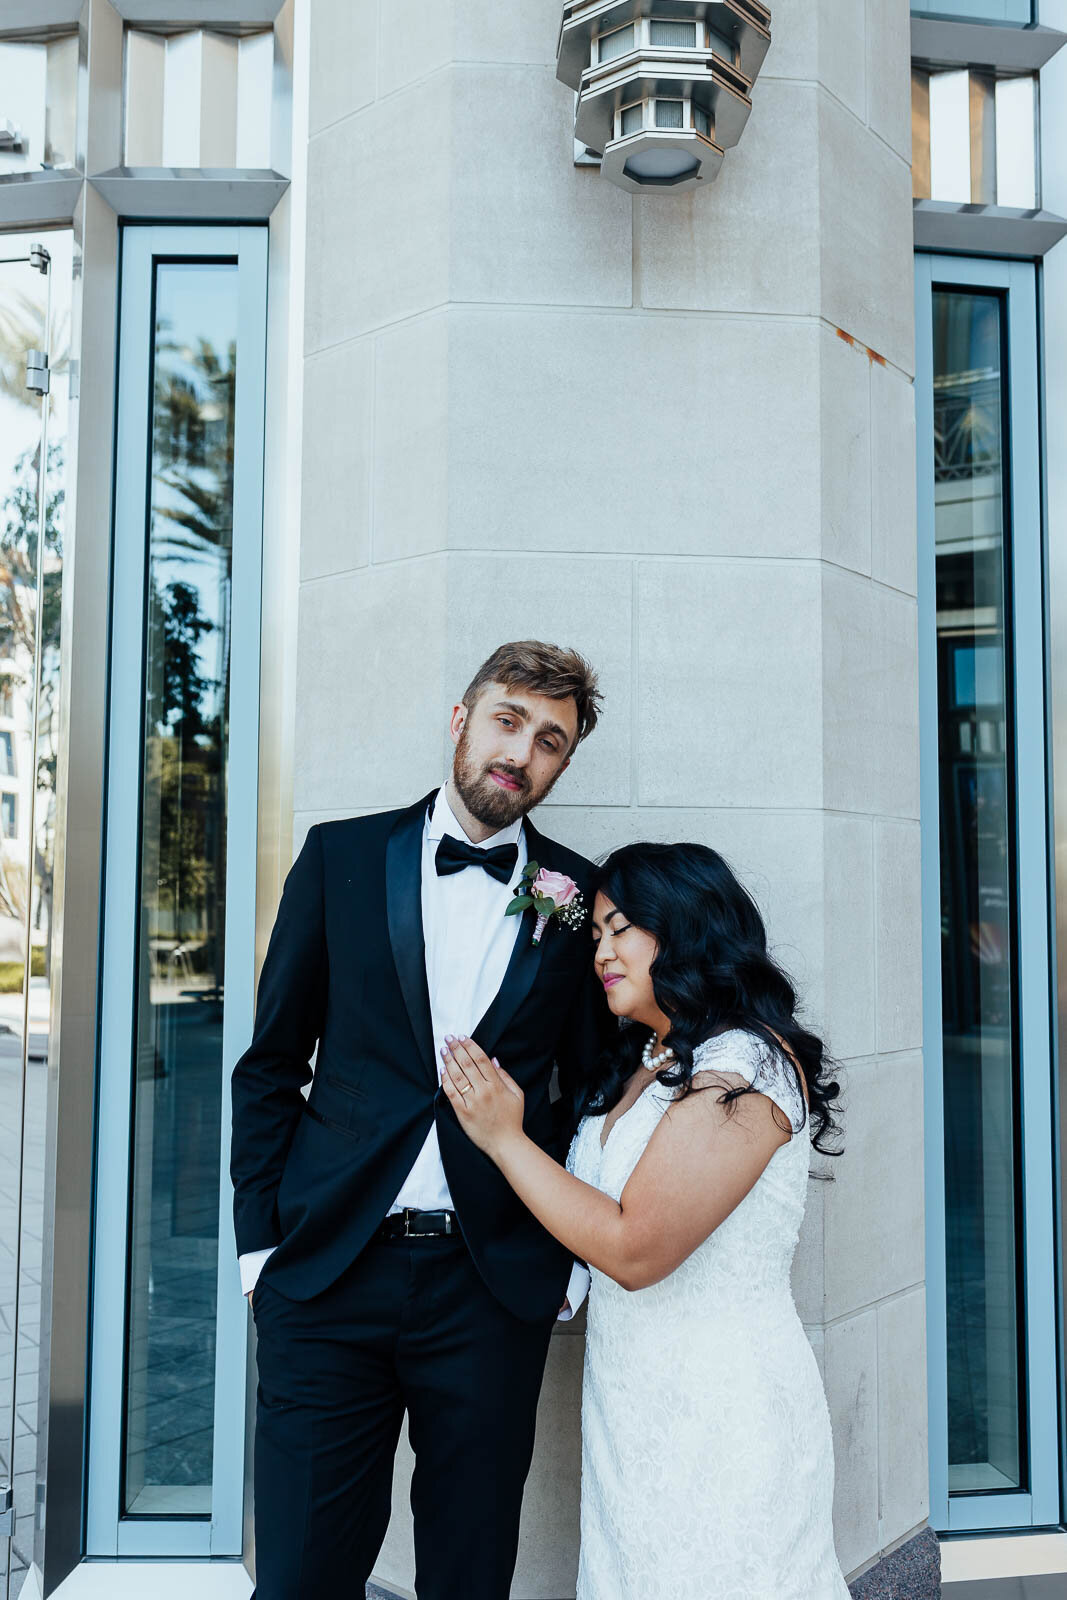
{"points": [[577, 1289], [251, 1266]]}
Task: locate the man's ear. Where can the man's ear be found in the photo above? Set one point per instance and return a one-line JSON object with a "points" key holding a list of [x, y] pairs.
{"points": [[458, 723], [564, 767]]}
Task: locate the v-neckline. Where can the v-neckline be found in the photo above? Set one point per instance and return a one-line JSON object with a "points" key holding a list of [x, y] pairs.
{"points": [[603, 1139]]}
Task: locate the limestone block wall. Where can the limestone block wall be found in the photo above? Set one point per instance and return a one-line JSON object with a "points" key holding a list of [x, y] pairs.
{"points": [[677, 432]]}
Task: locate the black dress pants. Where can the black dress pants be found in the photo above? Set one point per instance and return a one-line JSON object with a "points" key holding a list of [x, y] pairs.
{"points": [[409, 1326]]}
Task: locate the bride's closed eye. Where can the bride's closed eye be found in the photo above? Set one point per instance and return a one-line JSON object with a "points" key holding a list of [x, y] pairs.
{"points": [[620, 927]]}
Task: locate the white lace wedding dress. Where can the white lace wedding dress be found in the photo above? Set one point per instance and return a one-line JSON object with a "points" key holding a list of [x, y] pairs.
{"points": [[707, 1461]]}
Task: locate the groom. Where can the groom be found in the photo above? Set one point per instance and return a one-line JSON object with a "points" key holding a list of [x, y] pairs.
{"points": [[390, 1266]]}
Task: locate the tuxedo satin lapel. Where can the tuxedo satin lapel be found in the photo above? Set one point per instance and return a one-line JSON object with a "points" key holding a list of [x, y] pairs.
{"points": [[519, 979], [524, 965], [403, 891]]}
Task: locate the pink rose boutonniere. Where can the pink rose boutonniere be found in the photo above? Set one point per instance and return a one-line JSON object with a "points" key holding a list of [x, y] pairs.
{"points": [[552, 894]]}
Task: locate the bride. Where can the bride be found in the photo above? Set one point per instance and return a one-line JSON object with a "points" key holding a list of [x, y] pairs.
{"points": [[707, 1462]]}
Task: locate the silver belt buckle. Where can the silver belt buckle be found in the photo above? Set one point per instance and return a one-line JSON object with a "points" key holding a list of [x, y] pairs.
{"points": [[419, 1233]]}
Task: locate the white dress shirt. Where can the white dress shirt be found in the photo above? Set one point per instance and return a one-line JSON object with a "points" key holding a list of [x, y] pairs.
{"points": [[469, 941]]}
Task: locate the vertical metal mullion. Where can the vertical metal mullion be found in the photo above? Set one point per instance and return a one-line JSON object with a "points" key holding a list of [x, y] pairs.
{"points": [[1033, 907], [929, 811], [1013, 538], [27, 958], [242, 787], [119, 902]]}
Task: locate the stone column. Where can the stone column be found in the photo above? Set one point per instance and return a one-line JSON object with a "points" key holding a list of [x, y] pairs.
{"points": [[676, 432]]}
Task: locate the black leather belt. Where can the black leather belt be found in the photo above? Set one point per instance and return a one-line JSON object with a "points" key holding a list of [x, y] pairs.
{"points": [[410, 1224]]}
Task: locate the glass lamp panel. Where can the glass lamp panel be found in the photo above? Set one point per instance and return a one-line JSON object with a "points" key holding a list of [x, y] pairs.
{"points": [[616, 44], [661, 165], [675, 35], [633, 118], [670, 114], [722, 45]]}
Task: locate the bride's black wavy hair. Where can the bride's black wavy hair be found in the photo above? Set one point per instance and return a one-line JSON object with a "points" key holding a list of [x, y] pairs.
{"points": [[711, 972]]}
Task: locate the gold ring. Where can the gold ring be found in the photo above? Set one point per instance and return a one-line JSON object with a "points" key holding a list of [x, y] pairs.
{"points": [[467, 1090]]}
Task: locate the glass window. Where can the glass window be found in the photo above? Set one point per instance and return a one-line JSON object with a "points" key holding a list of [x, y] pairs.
{"points": [[34, 314], [38, 79], [987, 994], [178, 1046], [986, 1424], [973, 137], [170, 1328], [1017, 11]]}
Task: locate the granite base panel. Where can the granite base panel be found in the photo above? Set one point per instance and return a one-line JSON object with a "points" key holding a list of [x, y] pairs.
{"points": [[911, 1572]]}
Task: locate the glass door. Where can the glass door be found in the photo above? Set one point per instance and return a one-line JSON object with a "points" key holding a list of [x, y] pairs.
{"points": [[35, 279], [990, 1256], [169, 1328]]}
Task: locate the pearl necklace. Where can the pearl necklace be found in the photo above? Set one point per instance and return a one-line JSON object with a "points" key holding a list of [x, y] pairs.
{"points": [[653, 1063]]}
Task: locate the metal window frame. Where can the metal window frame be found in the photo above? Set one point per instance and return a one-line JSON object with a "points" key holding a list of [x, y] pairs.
{"points": [[108, 1532], [1002, 48], [934, 11], [1012, 47], [1039, 1506]]}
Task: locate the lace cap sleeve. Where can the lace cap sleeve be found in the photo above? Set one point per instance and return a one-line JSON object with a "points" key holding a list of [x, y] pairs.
{"points": [[766, 1069]]}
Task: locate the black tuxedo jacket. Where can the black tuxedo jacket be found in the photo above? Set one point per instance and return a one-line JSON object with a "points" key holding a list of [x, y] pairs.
{"points": [[345, 969]]}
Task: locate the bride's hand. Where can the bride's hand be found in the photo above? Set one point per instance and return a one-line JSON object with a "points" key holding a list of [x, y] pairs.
{"points": [[487, 1102]]}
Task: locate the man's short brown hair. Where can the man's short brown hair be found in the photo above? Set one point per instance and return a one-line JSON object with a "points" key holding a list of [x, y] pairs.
{"points": [[542, 669]]}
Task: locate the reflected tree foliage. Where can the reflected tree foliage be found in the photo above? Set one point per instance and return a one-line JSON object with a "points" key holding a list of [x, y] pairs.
{"points": [[18, 583], [21, 329], [188, 646]]}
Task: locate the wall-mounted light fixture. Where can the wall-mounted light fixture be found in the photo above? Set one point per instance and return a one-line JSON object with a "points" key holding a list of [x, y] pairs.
{"points": [[663, 86]]}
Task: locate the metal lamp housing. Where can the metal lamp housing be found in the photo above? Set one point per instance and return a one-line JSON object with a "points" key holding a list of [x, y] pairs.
{"points": [[688, 64], [646, 154]]}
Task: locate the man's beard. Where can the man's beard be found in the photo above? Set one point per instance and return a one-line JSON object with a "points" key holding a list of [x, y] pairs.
{"points": [[493, 806]]}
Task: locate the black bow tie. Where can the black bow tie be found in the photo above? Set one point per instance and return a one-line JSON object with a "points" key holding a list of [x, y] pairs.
{"points": [[454, 854]]}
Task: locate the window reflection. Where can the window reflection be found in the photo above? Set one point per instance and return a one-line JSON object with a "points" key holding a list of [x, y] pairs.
{"points": [[27, 839], [38, 94], [178, 1062], [1018, 11], [977, 901]]}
